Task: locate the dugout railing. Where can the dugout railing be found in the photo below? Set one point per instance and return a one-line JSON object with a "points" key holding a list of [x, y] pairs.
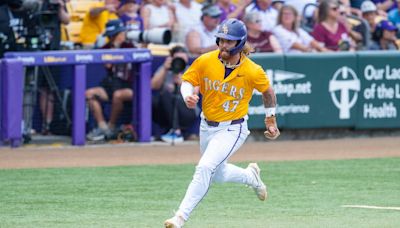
{"points": [[12, 83]]}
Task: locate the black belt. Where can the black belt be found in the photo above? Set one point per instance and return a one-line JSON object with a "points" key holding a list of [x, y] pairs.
{"points": [[216, 124]]}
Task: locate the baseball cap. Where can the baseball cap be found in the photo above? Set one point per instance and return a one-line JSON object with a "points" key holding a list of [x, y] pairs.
{"points": [[113, 27], [387, 25], [273, 1], [252, 16], [211, 10], [368, 6]]}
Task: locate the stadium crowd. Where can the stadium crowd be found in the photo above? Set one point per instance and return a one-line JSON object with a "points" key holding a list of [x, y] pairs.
{"points": [[280, 26]]}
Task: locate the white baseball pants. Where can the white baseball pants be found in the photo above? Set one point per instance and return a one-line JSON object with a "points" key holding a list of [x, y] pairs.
{"points": [[217, 144]]}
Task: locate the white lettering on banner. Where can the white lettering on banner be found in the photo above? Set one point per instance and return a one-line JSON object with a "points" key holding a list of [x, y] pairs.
{"points": [[27, 59], [292, 88], [140, 55], [381, 91], [84, 58], [281, 109], [386, 111], [372, 73]]}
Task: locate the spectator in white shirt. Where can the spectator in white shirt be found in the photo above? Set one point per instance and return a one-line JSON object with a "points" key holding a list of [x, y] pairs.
{"points": [[201, 39], [187, 13], [267, 12], [157, 15], [292, 38]]}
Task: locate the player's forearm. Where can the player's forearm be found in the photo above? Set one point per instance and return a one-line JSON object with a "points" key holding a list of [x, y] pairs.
{"points": [[269, 100]]}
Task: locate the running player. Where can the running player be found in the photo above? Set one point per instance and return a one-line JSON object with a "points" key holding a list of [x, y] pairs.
{"points": [[226, 78]]}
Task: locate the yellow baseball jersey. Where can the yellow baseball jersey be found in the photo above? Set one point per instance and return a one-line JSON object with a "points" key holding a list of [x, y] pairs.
{"points": [[93, 26], [225, 98]]}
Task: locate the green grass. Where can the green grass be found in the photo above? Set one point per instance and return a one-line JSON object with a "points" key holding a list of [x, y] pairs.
{"points": [[302, 194]]}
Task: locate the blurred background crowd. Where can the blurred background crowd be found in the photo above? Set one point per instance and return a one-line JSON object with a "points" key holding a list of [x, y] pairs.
{"points": [[180, 30]]}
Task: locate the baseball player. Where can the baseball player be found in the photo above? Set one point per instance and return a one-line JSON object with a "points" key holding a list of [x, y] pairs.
{"points": [[226, 78]]}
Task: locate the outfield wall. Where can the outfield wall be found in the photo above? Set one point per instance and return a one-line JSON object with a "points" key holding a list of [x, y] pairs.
{"points": [[336, 90]]}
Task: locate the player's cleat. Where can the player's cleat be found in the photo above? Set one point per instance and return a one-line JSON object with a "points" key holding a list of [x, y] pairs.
{"points": [[174, 222], [260, 189]]}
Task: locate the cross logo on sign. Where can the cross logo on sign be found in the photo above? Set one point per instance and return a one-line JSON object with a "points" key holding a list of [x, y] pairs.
{"points": [[344, 80]]}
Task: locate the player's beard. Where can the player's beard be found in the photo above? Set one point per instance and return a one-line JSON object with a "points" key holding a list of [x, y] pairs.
{"points": [[225, 55]]}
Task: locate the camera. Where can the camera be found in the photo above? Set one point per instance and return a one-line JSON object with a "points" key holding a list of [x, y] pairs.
{"points": [[156, 36], [178, 65]]}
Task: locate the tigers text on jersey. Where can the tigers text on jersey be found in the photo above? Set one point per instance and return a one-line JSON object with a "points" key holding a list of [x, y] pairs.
{"points": [[225, 99]]}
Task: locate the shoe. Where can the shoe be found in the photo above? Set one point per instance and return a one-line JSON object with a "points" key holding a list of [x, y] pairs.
{"points": [[260, 189], [172, 136], [97, 134], [174, 222]]}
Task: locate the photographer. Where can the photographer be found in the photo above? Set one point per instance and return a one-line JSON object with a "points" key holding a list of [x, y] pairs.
{"points": [[12, 22], [53, 13], [169, 109], [116, 87]]}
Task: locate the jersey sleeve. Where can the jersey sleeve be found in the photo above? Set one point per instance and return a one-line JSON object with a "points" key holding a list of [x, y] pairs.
{"points": [[260, 80], [192, 74]]}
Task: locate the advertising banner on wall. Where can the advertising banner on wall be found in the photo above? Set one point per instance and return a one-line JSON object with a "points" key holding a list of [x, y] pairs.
{"points": [[313, 90], [379, 102]]}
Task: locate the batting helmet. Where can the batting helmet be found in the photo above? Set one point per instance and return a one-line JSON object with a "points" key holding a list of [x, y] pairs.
{"points": [[233, 29]]}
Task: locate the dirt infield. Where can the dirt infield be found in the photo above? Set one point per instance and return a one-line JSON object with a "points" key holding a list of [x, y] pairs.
{"points": [[138, 154]]}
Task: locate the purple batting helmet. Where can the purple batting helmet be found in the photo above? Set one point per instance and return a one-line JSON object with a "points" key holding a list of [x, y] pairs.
{"points": [[233, 29]]}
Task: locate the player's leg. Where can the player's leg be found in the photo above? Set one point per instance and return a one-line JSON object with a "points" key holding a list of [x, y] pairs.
{"points": [[220, 147], [231, 173]]}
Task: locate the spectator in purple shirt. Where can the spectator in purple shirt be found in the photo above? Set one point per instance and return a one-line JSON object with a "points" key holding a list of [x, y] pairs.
{"points": [[230, 10]]}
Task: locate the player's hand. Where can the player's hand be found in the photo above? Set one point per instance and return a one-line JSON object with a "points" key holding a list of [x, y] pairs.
{"points": [[192, 100], [272, 131]]}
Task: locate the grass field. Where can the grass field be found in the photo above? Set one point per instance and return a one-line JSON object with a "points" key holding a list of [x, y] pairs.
{"points": [[301, 194]]}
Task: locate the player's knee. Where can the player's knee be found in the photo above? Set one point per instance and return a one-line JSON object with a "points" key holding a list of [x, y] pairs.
{"points": [[205, 168]]}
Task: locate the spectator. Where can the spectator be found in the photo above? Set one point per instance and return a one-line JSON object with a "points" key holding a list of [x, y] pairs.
{"points": [[384, 37], [385, 5], [129, 14], [369, 14], [277, 4], [230, 10], [95, 21], [344, 14], [157, 15], [261, 41], [188, 14], [330, 31], [169, 109], [301, 5], [394, 16], [268, 14], [291, 37], [201, 39], [116, 86]]}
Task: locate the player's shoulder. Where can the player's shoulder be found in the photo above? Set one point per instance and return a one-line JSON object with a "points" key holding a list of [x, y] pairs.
{"points": [[251, 65]]}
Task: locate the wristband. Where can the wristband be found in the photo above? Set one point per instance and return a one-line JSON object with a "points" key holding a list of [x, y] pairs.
{"points": [[186, 89], [270, 112]]}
